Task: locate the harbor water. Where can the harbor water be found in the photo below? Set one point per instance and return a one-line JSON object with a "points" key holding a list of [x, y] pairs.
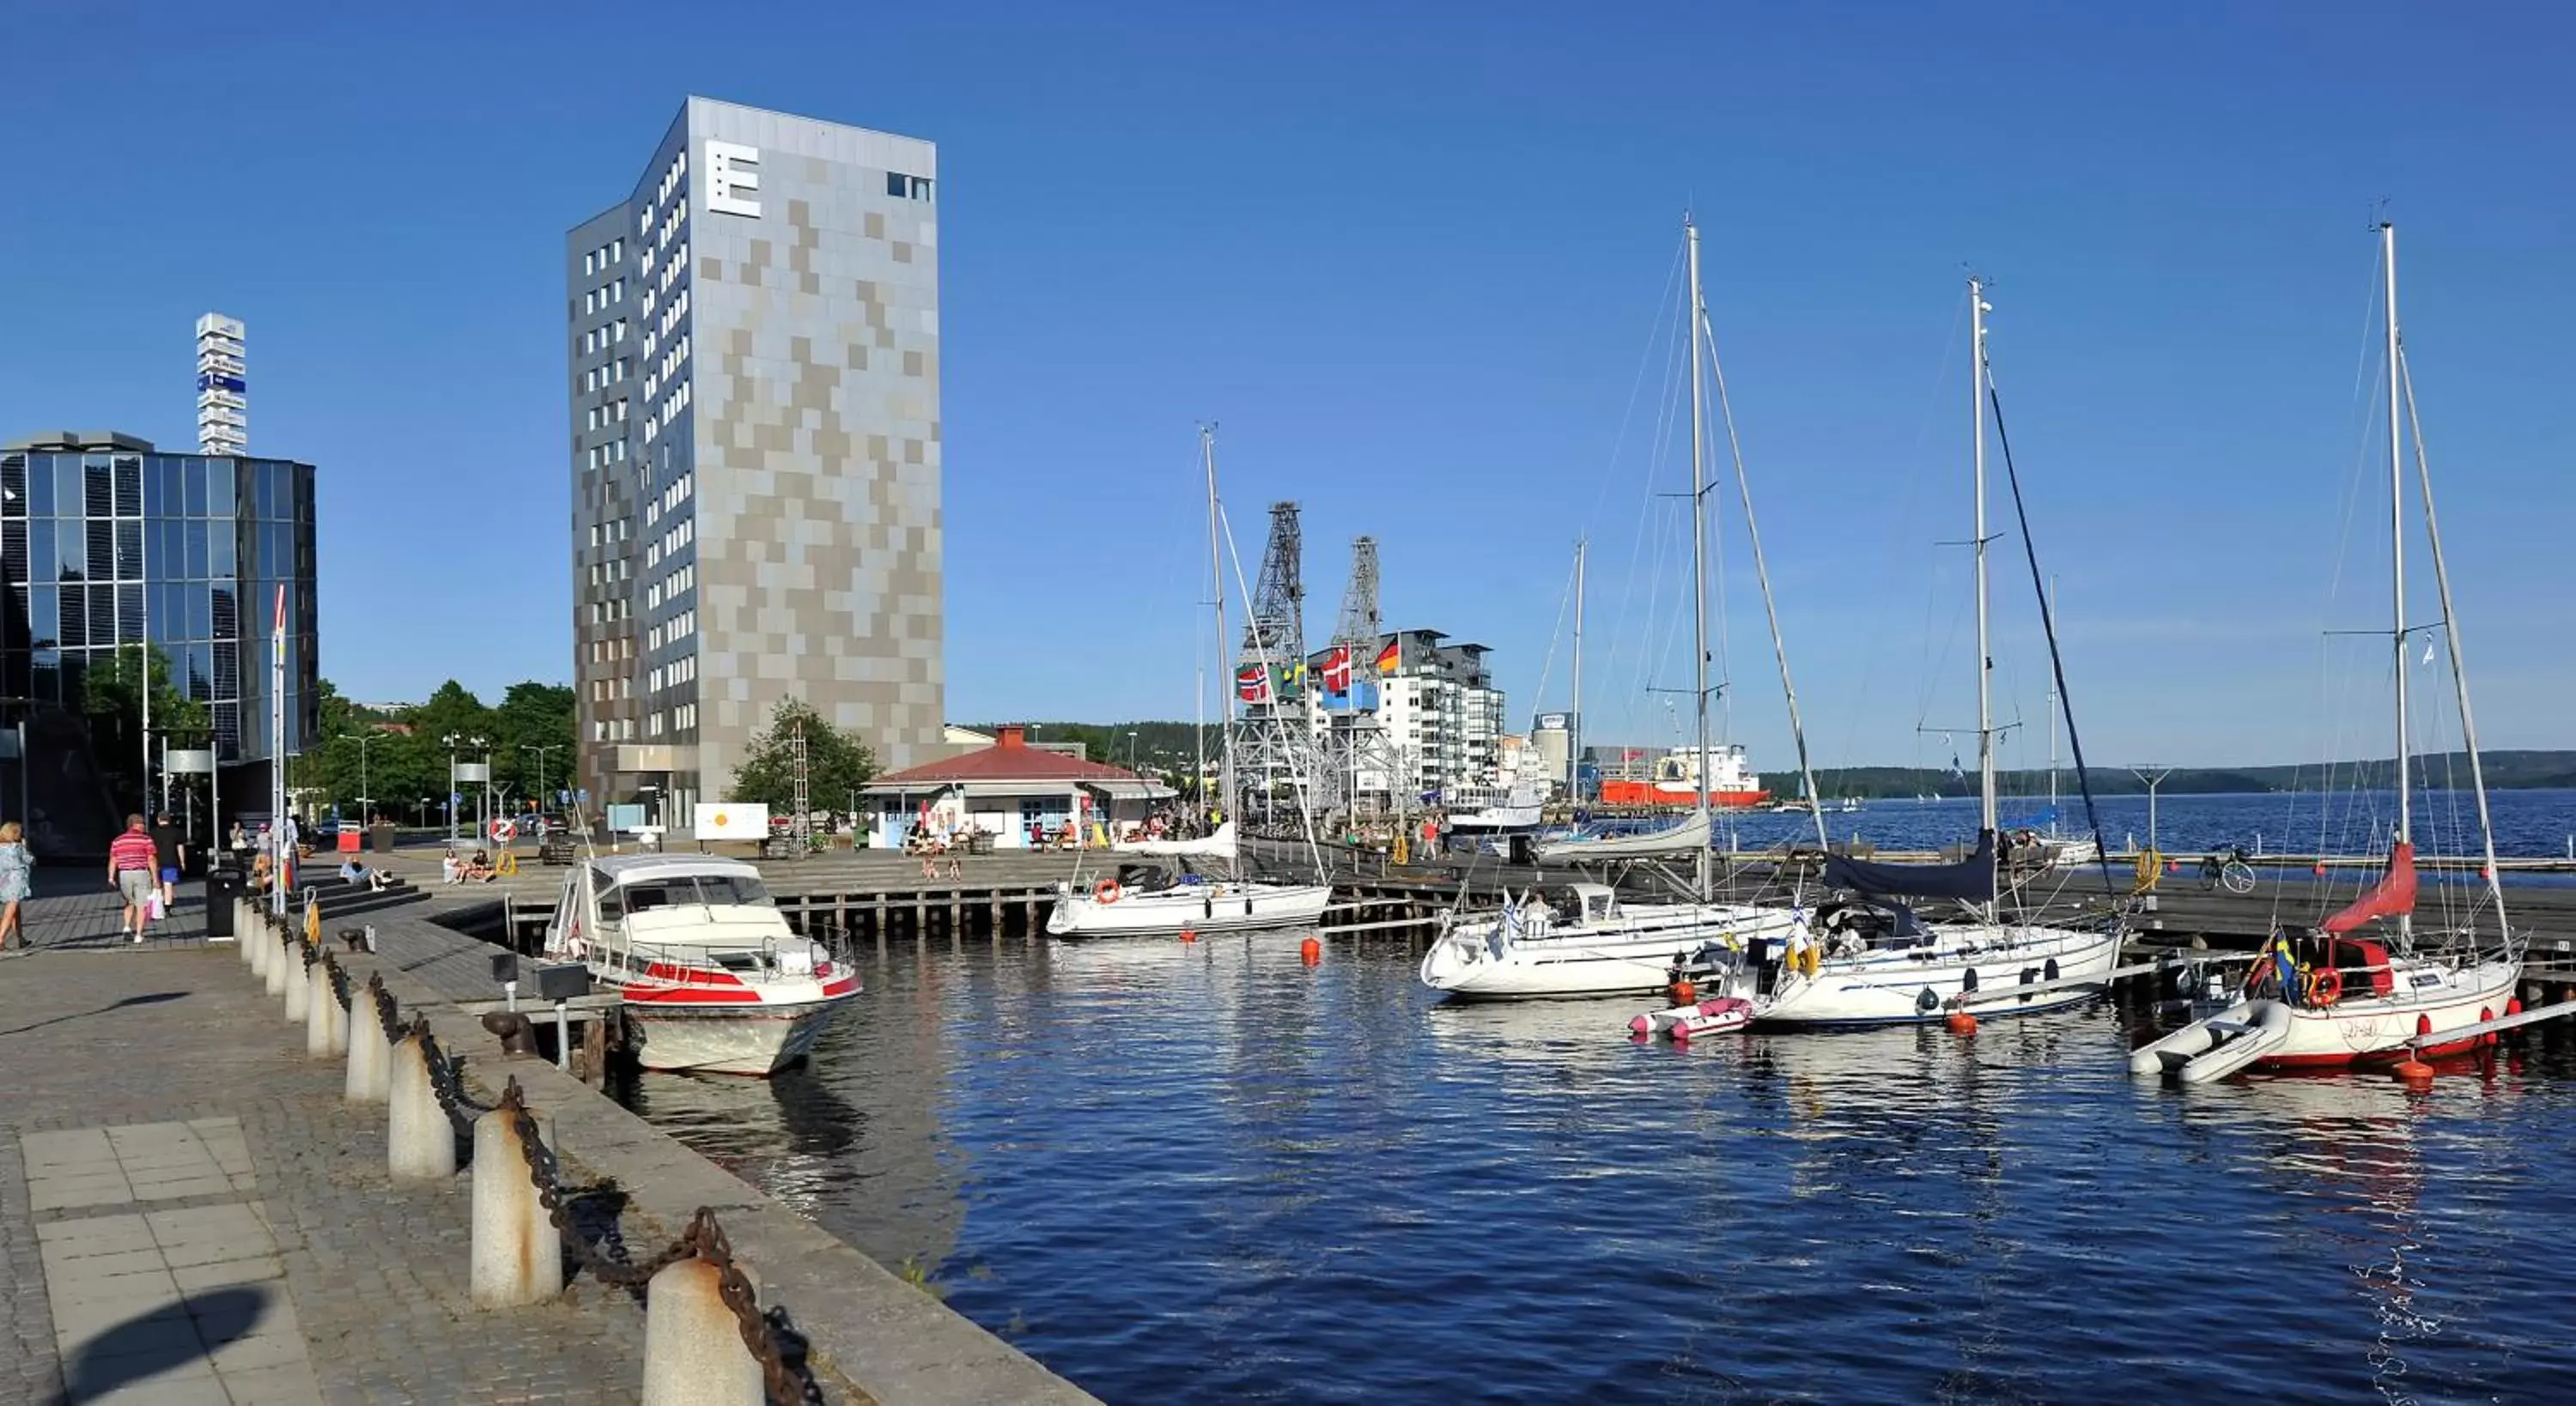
{"points": [[1209, 1172]]}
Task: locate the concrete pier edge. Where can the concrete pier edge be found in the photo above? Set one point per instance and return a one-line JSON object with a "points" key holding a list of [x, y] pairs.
{"points": [[868, 1328]]}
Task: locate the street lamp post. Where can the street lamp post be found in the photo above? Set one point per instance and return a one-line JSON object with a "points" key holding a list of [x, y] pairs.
{"points": [[455, 742], [365, 740], [2153, 781], [541, 767]]}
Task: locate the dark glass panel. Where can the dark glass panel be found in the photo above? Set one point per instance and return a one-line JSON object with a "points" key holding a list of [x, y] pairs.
{"points": [[201, 672], [48, 681], [13, 549], [192, 486], [227, 615], [219, 548], [129, 487], [228, 732], [227, 669], [98, 490], [129, 551], [13, 485], [75, 627], [129, 614], [220, 499], [44, 557], [161, 486], [71, 544], [102, 614], [99, 557], [44, 618], [192, 554], [192, 595]]}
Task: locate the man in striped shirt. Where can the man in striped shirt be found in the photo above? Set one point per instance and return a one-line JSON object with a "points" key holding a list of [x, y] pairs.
{"points": [[133, 868]]}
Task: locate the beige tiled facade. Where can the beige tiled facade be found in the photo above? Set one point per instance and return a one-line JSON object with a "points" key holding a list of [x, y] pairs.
{"points": [[756, 449]]}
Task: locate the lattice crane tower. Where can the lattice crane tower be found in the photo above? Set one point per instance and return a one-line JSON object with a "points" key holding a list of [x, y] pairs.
{"points": [[1276, 732], [1357, 771]]}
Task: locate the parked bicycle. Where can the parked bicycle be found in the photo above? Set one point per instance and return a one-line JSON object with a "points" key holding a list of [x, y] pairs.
{"points": [[2227, 869]]}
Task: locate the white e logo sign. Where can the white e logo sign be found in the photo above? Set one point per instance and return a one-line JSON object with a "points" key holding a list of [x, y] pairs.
{"points": [[733, 179]]}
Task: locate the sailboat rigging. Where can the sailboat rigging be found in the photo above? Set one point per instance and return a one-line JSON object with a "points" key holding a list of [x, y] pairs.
{"points": [[2333, 997], [1166, 904]]}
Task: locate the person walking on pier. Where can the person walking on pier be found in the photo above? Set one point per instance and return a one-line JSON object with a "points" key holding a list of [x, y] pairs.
{"points": [[133, 869], [170, 855], [15, 867]]}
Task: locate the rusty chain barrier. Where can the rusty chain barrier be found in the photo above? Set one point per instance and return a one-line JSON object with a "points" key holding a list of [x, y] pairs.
{"points": [[704, 1239], [446, 1079], [388, 1017], [338, 976]]}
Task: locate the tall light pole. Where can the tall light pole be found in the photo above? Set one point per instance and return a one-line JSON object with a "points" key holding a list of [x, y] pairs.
{"points": [[541, 768], [451, 740], [2154, 780], [364, 741]]}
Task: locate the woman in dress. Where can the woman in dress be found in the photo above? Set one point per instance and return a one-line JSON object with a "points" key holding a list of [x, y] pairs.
{"points": [[15, 864]]}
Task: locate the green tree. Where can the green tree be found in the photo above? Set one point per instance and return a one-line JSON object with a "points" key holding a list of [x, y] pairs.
{"points": [[112, 696], [836, 762]]}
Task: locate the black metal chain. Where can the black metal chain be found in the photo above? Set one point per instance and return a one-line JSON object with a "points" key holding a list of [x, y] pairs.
{"points": [[339, 979], [703, 1238], [388, 1017], [444, 1080]]}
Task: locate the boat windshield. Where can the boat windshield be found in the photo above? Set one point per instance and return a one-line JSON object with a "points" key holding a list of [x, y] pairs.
{"points": [[644, 895]]}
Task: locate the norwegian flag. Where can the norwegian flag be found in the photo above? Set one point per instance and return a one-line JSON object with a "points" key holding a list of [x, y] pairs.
{"points": [[1252, 684]]}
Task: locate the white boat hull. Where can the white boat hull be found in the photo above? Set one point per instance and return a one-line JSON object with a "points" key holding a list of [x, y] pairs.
{"points": [[2364, 1030], [1203, 908], [1633, 957], [1886, 986], [731, 1039]]}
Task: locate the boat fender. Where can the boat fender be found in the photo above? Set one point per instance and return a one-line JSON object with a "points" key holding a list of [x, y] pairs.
{"points": [[2050, 969], [2325, 987], [1107, 891], [1967, 981], [1927, 1002], [1682, 992]]}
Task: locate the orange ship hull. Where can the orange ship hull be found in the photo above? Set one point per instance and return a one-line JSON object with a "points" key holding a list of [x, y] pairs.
{"points": [[1675, 795]]}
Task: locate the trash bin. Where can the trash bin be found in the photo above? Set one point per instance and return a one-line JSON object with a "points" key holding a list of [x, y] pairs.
{"points": [[347, 839], [223, 885], [381, 836]]}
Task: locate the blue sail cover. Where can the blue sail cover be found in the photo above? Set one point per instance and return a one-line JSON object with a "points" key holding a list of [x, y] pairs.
{"points": [[1973, 878]]}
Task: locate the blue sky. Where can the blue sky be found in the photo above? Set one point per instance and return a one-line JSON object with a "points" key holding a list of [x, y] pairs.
{"points": [[1411, 265]]}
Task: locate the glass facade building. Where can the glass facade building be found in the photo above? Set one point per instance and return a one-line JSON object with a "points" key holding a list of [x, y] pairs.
{"points": [[105, 542]]}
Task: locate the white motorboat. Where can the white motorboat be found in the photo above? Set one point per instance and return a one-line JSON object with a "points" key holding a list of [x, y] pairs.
{"points": [[2333, 998], [1688, 835], [1588, 944], [1197, 903], [1514, 810], [713, 978]]}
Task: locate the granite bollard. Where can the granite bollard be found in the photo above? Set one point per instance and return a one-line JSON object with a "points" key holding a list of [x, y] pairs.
{"points": [[693, 1352], [419, 1144]]}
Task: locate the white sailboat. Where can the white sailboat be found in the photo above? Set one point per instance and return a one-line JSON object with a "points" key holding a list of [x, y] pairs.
{"points": [[1168, 903], [1872, 960], [1587, 941], [2347, 993]]}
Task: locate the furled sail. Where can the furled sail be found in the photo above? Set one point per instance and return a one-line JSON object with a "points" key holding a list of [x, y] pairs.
{"points": [[1219, 845], [1683, 837], [2392, 896], [1972, 878]]}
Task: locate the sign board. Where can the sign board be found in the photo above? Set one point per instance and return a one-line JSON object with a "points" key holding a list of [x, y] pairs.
{"points": [[192, 761], [582, 795], [733, 178], [626, 817], [474, 771], [732, 820]]}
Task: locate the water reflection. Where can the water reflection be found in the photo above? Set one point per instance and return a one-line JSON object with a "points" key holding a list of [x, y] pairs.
{"points": [[1206, 1172]]}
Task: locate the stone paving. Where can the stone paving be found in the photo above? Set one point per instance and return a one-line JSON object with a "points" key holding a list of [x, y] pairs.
{"points": [[188, 1211]]}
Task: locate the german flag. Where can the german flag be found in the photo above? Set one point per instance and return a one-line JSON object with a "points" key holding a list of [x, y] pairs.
{"points": [[1390, 656]]}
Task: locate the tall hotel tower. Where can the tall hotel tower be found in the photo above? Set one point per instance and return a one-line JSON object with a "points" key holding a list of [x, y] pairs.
{"points": [[754, 339]]}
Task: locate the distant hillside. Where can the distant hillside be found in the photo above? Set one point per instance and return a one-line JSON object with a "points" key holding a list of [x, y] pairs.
{"points": [[1167, 747], [2506, 771]]}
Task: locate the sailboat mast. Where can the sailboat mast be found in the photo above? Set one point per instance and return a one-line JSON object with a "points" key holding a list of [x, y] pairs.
{"points": [[1216, 578], [1574, 717], [2396, 530], [2052, 712], [1699, 555], [1985, 649]]}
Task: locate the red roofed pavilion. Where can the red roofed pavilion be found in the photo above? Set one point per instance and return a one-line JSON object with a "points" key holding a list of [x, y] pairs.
{"points": [[1011, 791]]}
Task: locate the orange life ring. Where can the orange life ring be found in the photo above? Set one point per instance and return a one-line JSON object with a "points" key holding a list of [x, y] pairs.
{"points": [[2325, 987], [1107, 891]]}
